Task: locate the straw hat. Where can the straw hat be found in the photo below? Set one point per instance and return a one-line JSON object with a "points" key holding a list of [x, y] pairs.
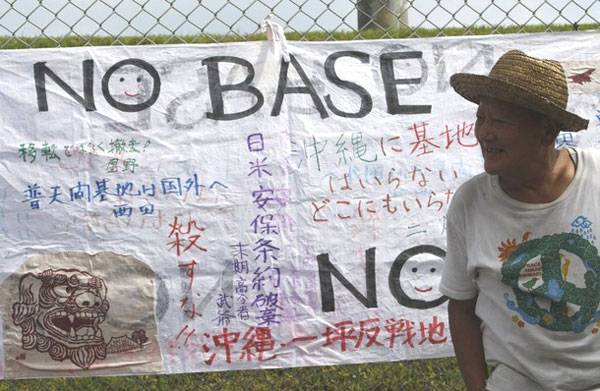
{"points": [[517, 78]]}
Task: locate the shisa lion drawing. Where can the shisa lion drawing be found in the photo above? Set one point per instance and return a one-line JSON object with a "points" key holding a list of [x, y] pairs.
{"points": [[61, 312]]}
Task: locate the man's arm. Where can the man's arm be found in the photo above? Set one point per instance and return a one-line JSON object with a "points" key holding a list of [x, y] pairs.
{"points": [[468, 345]]}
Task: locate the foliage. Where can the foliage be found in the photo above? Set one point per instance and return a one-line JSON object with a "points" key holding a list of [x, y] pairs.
{"points": [[436, 374], [13, 42]]}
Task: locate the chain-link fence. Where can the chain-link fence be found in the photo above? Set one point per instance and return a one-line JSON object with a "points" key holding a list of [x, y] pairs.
{"points": [[27, 23]]}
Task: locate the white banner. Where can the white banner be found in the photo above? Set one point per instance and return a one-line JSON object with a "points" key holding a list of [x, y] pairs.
{"points": [[212, 207]]}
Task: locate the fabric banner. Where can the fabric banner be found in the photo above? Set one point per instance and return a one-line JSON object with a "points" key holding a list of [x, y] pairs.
{"points": [[190, 208]]}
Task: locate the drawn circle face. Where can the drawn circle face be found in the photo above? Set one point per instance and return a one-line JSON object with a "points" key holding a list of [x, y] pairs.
{"points": [[130, 84], [415, 277], [420, 277]]}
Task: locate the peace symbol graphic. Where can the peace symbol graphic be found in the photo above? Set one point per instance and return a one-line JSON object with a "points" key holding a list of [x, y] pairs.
{"points": [[553, 286]]}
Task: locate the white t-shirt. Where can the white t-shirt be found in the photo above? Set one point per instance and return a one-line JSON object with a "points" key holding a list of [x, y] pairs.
{"points": [[535, 271]]}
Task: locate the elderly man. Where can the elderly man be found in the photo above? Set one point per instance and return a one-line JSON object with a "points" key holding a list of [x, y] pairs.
{"points": [[522, 269]]}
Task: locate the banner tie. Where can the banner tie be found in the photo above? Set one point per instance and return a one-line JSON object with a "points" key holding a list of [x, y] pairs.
{"points": [[276, 36]]}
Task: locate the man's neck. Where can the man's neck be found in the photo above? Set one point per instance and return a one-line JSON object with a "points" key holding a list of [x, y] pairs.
{"points": [[543, 181]]}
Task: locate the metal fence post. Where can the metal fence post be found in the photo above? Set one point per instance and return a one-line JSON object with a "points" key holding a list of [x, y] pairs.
{"points": [[382, 14]]}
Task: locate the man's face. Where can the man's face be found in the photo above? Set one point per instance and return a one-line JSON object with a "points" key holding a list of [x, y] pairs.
{"points": [[510, 136]]}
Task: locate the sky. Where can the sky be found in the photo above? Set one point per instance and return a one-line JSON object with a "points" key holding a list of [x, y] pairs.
{"points": [[188, 17]]}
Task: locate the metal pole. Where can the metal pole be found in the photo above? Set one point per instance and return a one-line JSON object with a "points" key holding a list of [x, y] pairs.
{"points": [[382, 14]]}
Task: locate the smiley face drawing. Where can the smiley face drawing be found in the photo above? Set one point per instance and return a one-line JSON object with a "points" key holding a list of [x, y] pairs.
{"points": [[415, 277], [131, 85]]}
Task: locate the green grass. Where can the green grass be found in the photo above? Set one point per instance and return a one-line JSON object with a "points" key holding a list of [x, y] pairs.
{"points": [[77, 40], [437, 374]]}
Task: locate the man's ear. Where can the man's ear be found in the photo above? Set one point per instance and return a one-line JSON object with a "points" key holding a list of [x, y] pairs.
{"points": [[551, 130]]}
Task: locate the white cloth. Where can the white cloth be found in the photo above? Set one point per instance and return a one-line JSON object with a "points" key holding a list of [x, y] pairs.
{"points": [[535, 271]]}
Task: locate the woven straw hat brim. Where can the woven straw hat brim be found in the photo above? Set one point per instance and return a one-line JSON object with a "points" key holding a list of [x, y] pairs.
{"points": [[473, 87]]}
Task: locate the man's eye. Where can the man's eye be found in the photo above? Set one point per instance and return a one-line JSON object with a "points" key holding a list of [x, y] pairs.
{"points": [[501, 121]]}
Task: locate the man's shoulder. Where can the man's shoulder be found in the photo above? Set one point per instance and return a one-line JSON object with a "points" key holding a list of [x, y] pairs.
{"points": [[589, 153], [468, 194], [590, 157], [477, 184]]}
